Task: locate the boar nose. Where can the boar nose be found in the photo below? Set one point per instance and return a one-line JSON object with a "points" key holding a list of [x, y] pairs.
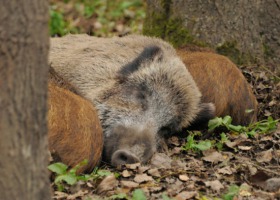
{"points": [[122, 157]]}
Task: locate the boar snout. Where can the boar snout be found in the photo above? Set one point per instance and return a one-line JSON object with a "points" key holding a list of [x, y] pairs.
{"points": [[122, 157], [129, 144]]}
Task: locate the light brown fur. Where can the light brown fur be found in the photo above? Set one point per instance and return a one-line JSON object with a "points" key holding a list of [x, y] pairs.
{"points": [[74, 132], [136, 82], [221, 82]]}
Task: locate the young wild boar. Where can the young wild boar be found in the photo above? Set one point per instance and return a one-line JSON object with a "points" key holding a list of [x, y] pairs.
{"points": [[75, 131], [139, 85], [221, 82]]}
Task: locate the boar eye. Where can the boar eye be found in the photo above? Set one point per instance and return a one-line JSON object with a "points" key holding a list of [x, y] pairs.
{"points": [[141, 96]]}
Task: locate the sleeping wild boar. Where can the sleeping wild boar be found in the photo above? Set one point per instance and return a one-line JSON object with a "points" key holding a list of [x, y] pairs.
{"points": [[75, 131], [222, 83], [139, 85]]}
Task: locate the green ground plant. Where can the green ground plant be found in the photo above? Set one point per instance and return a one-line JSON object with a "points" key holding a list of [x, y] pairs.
{"points": [[69, 176], [262, 127], [102, 17]]}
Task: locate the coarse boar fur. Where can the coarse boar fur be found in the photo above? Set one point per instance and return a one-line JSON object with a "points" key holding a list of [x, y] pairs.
{"points": [[221, 82], [139, 85], [75, 132]]}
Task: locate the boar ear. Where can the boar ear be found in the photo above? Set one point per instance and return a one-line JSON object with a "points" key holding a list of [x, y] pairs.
{"points": [[149, 54], [207, 112]]}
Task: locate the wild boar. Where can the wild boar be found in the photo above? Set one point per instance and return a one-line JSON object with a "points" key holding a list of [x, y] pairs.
{"points": [[75, 132], [221, 82], [139, 85]]}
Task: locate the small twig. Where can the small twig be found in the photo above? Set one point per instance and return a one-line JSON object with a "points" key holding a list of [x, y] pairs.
{"points": [[264, 169], [269, 71]]}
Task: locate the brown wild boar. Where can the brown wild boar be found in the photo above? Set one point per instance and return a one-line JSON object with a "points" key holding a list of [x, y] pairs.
{"points": [[139, 85], [221, 82], [75, 131]]}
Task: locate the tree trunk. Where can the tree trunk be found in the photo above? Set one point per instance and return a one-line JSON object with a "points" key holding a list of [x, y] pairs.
{"points": [[246, 31], [24, 45]]}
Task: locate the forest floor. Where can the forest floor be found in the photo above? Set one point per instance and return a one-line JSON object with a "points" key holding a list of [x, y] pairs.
{"points": [[242, 168]]}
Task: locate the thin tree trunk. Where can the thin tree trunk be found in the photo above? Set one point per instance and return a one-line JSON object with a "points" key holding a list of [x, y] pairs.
{"points": [[23, 99]]}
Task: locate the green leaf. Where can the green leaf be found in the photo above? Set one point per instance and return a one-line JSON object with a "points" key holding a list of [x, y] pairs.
{"points": [[119, 196], [214, 123], [249, 110], [68, 178], [224, 138], [59, 187], [58, 168], [237, 129], [103, 173], [227, 120], [232, 192], [138, 195], [203, 145], [78, 166]]}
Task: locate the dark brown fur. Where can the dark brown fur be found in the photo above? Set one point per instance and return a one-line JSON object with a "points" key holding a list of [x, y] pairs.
{"points": [[222, 83], [74, 132]]}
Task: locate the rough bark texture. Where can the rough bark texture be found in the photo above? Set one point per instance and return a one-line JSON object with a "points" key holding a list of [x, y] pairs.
{"points": [[244, 30], [23, 94]]}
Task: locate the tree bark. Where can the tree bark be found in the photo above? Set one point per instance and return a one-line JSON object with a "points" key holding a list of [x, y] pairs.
{"points": [[246, 31], [24, 44]]}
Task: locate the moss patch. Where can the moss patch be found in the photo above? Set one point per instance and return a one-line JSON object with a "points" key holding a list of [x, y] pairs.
{"points": [[160, 24], [171, 30], [230, 50], [176, 34]]}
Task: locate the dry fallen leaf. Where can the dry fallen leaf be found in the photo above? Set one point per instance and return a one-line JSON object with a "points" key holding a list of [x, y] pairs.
{"points": [[213, 157], [154, 172], [143, 169], [178, 164], [214, 185], [107, 184], [184, 177], [253, 170], [265, 156], [76, 195], [126, 174], [186, 195], [245, 148], [129, 184], [175, 151], [176, 187], [161, 160], [133, 166], [59, 195], [225, 170], [140, 178], [155, 189], [174, 140]]}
